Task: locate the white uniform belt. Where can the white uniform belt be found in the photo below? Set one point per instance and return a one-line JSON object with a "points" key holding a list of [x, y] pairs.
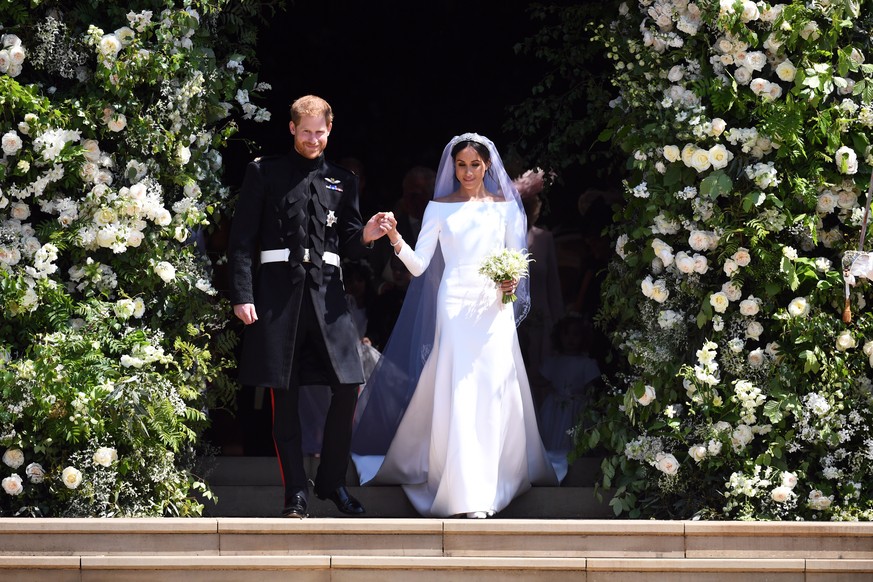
{"points": [[282, 256]]}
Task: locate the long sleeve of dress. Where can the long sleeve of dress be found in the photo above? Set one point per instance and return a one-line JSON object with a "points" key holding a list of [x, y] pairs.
{"points": [[417, 259]]}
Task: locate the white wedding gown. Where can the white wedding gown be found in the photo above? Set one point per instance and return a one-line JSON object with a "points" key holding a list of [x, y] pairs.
{"points": [[468, 440]]}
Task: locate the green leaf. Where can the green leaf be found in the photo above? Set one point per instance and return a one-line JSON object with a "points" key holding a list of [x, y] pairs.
{"points": [[716, 184]]}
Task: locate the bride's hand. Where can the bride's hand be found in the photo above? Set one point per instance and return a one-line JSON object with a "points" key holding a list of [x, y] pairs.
{"points": [[508, 287]]}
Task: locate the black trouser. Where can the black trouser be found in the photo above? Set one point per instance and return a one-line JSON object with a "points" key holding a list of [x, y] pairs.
{"points": [[311, 360]]}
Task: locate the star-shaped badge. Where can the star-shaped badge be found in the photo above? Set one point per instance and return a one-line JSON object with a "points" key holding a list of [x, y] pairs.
{"points": [[331, 218]]}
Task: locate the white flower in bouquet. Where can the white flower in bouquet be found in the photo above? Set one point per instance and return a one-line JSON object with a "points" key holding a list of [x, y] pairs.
{"points": [[666, 463], [506, 265], [648, 396], [781, 494]]}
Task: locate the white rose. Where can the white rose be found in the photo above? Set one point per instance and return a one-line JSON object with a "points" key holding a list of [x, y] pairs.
{"points": [[675, 74], [183, 155], [719, 302], [868, 348], [810, 31], [756, 358], [12, 484], [35, 473], [684, 263], [660, 293], [786, 70], [699, 240], [732, 290], [648, 396], [701, 264], [845, 341], [13, 458], [104, 456], [165, 271], [719, 156], [846, 160], [666, 463], [754, 330], [750, 11], [759, 85], [672, 153], [718, 126], [713, 447], [781, 494], [789, 479], [117, 122], [799, 307], [742, 257], [647, 285], [743, 75], [697, 452], [11, 143], [687, 153], [71, 477], [749, 306], [741, 436], [700, 160]]}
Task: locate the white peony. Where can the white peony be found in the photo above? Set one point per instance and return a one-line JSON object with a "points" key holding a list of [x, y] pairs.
{"points": [[719, 302]]}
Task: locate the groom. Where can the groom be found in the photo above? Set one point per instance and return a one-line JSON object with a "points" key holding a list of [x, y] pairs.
{"points": [[296, 216]]}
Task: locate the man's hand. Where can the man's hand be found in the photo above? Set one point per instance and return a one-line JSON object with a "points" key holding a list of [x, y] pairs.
{"points": [[378, 225], [246, 313]]}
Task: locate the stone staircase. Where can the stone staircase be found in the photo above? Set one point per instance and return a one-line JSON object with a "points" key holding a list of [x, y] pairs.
{"points": [[414, 549], [551, 533]]}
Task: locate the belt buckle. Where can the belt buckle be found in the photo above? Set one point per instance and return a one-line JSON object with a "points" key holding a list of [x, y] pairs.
{"points": [[306, 255]]}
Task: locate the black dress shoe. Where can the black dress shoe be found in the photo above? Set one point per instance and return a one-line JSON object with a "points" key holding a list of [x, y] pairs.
{"points": [[343, 501], [295, 507]]}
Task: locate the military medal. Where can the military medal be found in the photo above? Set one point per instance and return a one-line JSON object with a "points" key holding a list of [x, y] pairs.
{"points": [[330, 220], [333, 184]]}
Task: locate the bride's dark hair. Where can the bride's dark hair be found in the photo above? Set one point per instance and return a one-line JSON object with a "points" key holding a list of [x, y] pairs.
{"points": [[480, 148]]}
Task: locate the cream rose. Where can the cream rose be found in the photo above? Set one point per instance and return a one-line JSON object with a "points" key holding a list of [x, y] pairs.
{"points": [[104, 456], [672, 153], [719, 302], [749, 306], [846, 160], [789, 479], [781, 494], [786, 71], [666, 463], [718, 126], [12, 485], [700, 160], [719, 156], [756, 358], [845, 341], [799, 307], [165, 271], [13, 458], [71, 477], [697, 452]]}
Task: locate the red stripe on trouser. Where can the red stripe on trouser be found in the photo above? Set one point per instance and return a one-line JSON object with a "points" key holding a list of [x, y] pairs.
{"points": [[275, 444]]}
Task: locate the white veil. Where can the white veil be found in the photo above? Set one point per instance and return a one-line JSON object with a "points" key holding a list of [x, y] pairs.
{"points": [[390, 386]]}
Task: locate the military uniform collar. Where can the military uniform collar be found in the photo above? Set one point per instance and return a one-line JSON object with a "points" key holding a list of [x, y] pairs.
{"points": [[305, 164]]}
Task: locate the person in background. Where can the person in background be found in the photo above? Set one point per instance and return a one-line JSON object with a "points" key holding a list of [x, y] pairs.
{"points": [[546, 301]]}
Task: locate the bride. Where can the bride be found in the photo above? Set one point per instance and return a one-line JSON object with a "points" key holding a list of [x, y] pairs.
{"points": [[448, 412]]}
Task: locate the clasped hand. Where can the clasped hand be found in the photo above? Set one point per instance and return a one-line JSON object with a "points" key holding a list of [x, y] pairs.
{"points": [[378, 226]]}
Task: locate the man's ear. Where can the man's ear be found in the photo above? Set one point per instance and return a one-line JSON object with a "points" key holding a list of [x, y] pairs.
{"points": [[291, 128]]}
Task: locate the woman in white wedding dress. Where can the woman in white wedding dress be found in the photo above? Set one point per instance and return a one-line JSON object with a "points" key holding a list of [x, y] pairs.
{"points": [[467, 442]]}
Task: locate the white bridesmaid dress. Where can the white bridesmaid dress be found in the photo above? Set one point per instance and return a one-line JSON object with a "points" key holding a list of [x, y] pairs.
{"points": [[468, 441]]}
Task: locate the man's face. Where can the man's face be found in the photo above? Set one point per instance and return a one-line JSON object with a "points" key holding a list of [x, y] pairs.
{"points": [[310, 136]]}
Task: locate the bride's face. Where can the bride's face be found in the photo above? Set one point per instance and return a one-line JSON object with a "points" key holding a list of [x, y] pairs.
{"points": [[470, 169]]}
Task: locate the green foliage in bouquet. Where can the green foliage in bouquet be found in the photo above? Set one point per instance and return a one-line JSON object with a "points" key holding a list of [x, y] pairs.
{"points": [[744, 392], [113, 340]]}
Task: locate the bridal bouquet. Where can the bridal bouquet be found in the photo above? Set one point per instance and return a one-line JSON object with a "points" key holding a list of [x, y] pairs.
{"points": [[506, 265]]}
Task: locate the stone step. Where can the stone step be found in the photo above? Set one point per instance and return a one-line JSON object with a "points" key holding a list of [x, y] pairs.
{"points": [[421, 569], [252, 487], [383, 550]]}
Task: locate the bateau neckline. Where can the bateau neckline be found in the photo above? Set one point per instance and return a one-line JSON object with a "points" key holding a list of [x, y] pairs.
{"points": [[473, 200]]}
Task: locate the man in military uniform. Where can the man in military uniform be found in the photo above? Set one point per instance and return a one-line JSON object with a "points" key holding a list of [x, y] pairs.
{"points": [[297, 214]]}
